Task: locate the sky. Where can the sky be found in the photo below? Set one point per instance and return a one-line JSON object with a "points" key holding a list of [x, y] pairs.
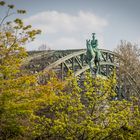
{"points": [[66, 24]]}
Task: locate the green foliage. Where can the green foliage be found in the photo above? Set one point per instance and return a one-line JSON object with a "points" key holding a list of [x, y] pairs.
{"points": [[2, 3], [13, 36], [88, 112], [11, 6], [63, 110]]}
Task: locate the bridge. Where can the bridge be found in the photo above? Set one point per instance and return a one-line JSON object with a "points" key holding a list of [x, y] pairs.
{"points": [[63, 61]]}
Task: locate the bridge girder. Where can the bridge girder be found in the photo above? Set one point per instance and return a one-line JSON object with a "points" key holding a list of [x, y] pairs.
{"points": [[74, 60]]}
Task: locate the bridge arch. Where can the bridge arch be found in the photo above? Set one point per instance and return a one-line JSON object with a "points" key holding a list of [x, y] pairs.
{"points": [[75, 60]]}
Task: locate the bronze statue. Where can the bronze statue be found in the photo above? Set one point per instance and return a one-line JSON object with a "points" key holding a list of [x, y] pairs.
{"points": [[93, 53]]}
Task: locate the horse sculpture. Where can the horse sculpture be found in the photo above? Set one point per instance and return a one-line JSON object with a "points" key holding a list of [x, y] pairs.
{"points": [[93, 54]]}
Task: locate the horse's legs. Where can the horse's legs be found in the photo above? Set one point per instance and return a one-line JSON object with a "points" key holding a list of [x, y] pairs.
{"points": [[97, 64], [91, 66], [98, 67]]}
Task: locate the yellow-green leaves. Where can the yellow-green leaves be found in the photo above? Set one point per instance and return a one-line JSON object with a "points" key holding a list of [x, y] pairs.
{"points": [[2, 3], [13, 36], [21, 11], [11, 6]]}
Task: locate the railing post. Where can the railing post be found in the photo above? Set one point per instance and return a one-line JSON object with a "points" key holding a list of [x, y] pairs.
{"points": [[73, 64], [62, 71], [107, 67]]}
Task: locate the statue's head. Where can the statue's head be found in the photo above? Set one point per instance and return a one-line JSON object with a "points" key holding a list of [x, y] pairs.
{"points": [[93, 35]]}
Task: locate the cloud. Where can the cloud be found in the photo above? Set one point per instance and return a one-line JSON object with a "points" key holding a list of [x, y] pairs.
{"points": [[64, 29], [67, 43]]}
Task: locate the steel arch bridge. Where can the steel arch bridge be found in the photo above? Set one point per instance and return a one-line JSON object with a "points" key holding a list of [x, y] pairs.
{"points": [[63, 61]]}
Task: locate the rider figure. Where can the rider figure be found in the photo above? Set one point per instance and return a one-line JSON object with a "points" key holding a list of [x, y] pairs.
{"points": [[93, 43]]}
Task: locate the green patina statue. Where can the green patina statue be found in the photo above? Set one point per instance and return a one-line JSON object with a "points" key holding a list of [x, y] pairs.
{"points": [[93, 54]]}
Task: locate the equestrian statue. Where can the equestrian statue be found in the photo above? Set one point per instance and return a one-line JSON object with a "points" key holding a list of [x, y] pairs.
{"points": [[93, 54]]}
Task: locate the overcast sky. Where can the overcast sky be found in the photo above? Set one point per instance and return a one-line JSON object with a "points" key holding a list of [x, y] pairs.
{"points": [[66, 24]]}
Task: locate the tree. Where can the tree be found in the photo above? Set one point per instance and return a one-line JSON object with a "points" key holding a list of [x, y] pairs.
{"points": [[129, 55], [13, 36], [88, 112], [18, 94]]}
